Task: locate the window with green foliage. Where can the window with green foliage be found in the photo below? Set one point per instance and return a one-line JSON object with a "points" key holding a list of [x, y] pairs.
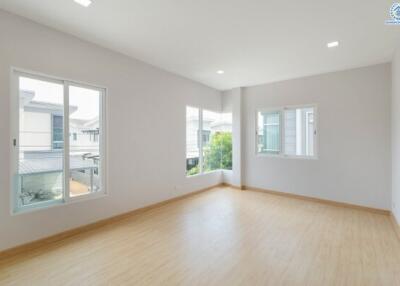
{"points": [[219, 153], [213, 133]]}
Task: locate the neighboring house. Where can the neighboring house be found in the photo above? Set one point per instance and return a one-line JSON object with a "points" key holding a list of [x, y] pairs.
{"points": [[41, 124], [41, 128], [84, 137], [211, 125], [223, 124], [396, 11]]}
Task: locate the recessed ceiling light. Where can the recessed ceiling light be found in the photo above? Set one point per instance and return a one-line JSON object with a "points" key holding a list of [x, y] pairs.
{"points": [[332, 44], [220, 72], [84, 3]]}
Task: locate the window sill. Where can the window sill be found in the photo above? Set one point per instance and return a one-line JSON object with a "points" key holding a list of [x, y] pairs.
{"points": [[287, 156], [205, 173], [57, 203]]}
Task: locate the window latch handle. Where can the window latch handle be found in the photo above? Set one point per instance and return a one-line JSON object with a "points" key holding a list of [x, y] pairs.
{"points": [[15, 142]]}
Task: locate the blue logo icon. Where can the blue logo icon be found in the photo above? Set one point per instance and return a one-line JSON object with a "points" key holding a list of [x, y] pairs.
{"points": [[394, 14]]}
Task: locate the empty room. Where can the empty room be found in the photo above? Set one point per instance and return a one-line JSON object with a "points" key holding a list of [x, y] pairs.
{"points": [[225, 142]]}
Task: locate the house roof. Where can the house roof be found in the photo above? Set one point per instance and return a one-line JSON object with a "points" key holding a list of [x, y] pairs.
{"points": [[52, 165], [27, 97]]}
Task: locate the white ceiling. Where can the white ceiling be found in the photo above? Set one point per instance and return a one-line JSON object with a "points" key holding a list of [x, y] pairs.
{"points": [[253, 41]]}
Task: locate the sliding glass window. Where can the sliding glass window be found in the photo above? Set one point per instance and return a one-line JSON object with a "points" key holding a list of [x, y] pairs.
{"points": [[287, 131], [208, 141], [217, 141], [84, 147], [58, 141]]}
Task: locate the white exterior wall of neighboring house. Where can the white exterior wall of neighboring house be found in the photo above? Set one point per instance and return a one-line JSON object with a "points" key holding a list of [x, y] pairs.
{"points": [[192, 148], [80, 140], [35, 134], [36, 127]]}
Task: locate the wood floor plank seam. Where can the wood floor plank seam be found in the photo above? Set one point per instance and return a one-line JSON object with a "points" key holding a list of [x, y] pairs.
{"points": [[85, 228]]}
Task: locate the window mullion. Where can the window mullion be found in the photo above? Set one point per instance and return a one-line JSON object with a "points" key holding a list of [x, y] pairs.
{"points": [[15, 129], [66, 158], [201, 139], [102, 140], [282, 125]]}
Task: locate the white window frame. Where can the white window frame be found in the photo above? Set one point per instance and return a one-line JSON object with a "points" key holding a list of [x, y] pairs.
{"points": [[15, 73], [282, 152]]}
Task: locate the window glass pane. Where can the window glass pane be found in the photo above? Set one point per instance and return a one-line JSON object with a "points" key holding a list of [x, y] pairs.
{"points": [[40, 168], [310, 132], [192, 141], [225, 140], [58, 132], [269, 135], [299, 131], [290, 132], [217, 149], [85, 130]]}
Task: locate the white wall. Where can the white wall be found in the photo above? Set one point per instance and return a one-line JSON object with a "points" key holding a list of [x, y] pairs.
{"points": [[146, 121], [354, 137], [396, 135]]}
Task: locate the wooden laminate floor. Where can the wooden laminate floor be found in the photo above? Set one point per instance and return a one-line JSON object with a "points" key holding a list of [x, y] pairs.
{"points": [[222, 237]]}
